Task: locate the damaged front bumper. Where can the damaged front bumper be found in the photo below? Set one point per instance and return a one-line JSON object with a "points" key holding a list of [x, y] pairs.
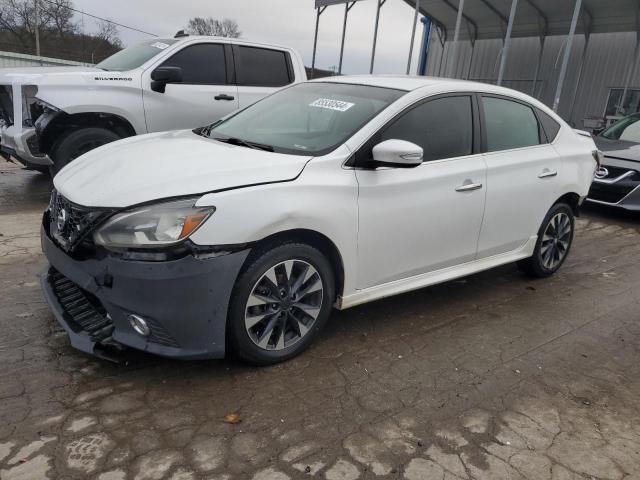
{"points": [[23, 145], [183, 301]]}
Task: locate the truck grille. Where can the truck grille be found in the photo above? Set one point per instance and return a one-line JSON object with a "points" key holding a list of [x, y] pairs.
{"points": [[69, 223], [82, 309], [6, 104]]}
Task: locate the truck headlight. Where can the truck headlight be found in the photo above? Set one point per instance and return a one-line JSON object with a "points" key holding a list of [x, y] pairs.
{"points": [[153, 226]]}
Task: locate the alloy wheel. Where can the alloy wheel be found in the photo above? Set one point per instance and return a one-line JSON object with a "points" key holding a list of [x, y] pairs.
{"points": [[555, 240], [283, 305]]}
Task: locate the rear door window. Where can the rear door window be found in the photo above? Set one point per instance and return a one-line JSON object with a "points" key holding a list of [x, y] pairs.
{"points": [[201, 64], [509, 124], [262, 67]]}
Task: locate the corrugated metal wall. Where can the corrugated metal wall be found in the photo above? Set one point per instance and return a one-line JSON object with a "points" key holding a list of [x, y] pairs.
{"points": [[12, 60], [609, 56]]}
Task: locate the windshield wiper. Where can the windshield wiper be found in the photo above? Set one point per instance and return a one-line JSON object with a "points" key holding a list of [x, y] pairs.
{"points": [[244, 143]]}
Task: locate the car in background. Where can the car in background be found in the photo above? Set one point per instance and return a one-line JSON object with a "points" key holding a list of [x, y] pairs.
{"points": [[617, 180], [51, 115], [245, 234]]}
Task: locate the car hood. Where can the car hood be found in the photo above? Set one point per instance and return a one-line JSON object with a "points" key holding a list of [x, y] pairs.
{"points": [[621, 149], [40, 75], [168, 164]]}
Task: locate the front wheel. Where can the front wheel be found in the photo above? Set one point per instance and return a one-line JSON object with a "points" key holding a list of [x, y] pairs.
{"points": [[554, 242], [280, 302], [76, 143]]}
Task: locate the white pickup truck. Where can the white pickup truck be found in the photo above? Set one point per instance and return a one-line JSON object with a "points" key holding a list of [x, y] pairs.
{"points": [[51, 115]]}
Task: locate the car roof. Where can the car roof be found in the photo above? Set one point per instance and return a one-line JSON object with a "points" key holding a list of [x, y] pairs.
{"points": [[435, 85], [409, 83]]}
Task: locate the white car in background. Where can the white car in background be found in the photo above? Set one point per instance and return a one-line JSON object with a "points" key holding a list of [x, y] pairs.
{"points": [[51, 115], [246, 233]]}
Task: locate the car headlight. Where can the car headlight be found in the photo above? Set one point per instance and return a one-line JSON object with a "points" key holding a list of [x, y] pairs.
{"points": [[153, 226]]}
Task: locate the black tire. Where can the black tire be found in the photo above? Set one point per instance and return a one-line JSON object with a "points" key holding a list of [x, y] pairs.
{"points": [[239, 336], [544, 261], [78, 142], [38, 168]]}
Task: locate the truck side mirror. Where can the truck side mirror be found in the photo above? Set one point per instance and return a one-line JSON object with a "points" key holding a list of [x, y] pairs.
{"points": [[163, 75]]}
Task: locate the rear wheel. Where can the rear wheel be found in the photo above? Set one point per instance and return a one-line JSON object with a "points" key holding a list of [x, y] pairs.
{"points": [[280, 303], [76, 143], [554, 242]]}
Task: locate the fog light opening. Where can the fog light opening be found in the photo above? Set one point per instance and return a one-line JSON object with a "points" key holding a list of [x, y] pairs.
{"points": [[139, 325]]}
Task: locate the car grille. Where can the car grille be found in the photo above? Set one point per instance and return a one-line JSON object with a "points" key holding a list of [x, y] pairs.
{"points": [[614, 172], [6, 104], [82, 309], [70, 223], [614, 192], [87, 313]]}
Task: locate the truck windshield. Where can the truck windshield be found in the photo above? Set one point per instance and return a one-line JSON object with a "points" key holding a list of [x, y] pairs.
{"points": [[136, 55], [306, 119]]}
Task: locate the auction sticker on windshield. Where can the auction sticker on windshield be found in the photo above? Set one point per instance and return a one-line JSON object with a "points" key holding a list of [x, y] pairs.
{"points": [[338, 105], [160, 45]]}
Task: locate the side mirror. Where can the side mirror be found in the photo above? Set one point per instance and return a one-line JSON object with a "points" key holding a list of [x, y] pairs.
{"points": [[397, 153], [163, 75]]}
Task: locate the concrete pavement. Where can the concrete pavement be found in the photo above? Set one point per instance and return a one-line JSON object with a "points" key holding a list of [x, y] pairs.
{"points": [[492, 376]]}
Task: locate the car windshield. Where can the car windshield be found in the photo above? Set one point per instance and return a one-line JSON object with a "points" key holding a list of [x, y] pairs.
{"points": [[136, 55], [306, 119], [627, 128]]}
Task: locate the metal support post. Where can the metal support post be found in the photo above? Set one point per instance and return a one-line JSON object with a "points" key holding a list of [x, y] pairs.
{"points": [[567, 54], [375, 34], [538, 63], [347, 7], [413, 35], [315, 41], [456, 34], [507, 41]]}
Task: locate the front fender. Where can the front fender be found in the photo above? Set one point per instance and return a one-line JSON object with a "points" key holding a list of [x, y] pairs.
{"points": [[123, 99], [323, 199]]}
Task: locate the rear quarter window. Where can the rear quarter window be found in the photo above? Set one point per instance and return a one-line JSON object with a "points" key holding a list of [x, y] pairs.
{"points": [[262, 67], [549, 125]]}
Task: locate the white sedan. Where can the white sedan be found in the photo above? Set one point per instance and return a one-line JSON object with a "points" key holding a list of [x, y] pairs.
{"points": [[244, 235]]}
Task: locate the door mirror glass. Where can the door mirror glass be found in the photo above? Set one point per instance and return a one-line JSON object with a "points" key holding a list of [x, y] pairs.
{"points": [[397, 153], [163, 75]]}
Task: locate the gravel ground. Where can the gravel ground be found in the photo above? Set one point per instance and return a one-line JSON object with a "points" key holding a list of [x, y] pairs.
{"points": [[492, 376]]}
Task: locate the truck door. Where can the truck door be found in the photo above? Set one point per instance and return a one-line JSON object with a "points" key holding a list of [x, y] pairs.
{"points": [[207, 91]]}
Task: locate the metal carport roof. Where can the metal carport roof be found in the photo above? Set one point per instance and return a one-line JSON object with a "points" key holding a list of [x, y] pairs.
{"points": [[472, 20], [488, 19]]}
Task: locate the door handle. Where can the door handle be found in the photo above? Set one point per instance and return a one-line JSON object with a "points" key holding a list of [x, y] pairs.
{"points": [[224, 96], [547, 173], [468, 186]]}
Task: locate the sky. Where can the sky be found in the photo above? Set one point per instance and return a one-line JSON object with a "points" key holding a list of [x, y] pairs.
{"points": [[287, 22]]}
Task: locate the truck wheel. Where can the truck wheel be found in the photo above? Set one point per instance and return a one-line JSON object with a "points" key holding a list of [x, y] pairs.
{"points": [[280, 303], [554, 242], [76, 143], [38, 168]]}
